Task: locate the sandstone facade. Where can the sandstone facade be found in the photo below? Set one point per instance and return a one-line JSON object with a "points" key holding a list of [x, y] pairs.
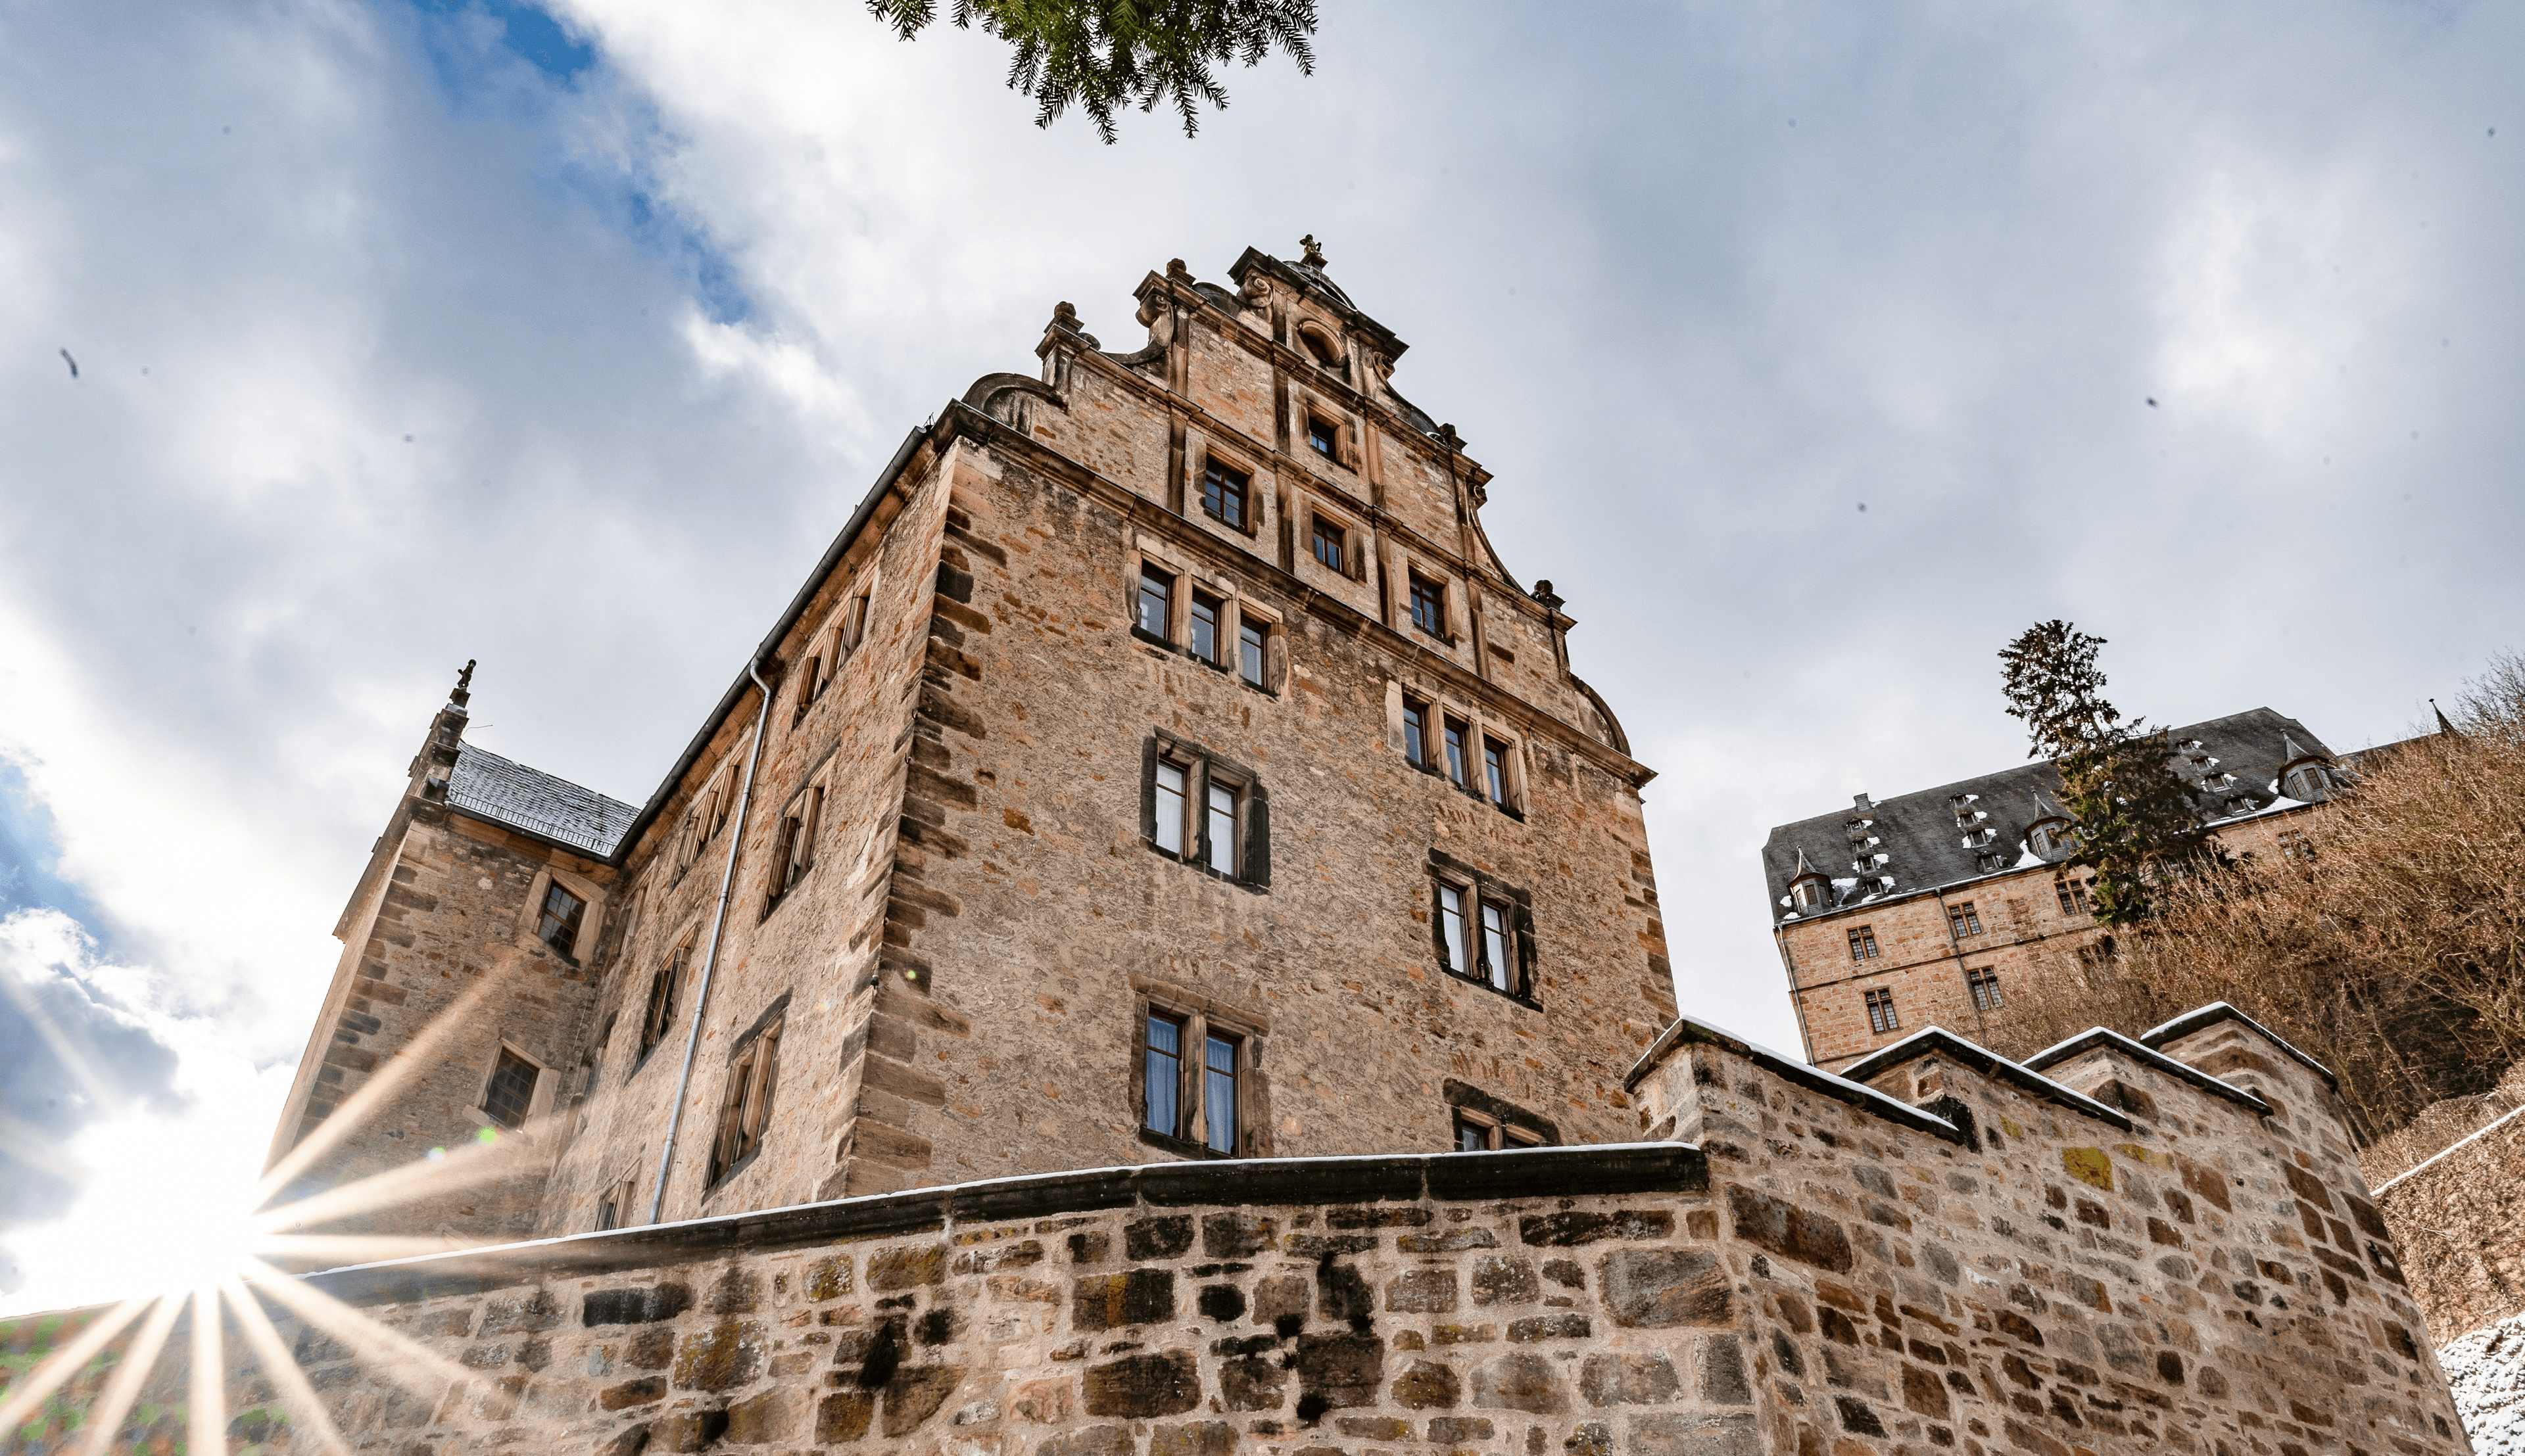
{"points": [[2130, 1249], [911, 900]]}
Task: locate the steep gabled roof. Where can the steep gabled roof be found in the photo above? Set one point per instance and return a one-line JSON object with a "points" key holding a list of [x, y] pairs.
{"points": [[506, 791]]}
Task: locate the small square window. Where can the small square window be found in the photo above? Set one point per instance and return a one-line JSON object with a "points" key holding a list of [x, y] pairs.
{"points": [[1205, 626], [1984, 989], [1250, 642], [1428, 606], [1415, 733], [1327, 540], [1963, 919], [1324, 436], [1157, 601], [1880, 1013], [1862, 944], [1222, 493], [563, 911], [1473, 1136], [512, 1091]]}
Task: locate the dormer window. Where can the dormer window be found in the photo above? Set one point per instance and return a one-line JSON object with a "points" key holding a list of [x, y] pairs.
{"points": [[1813, 893], [2308, 782], [2051, 837]]}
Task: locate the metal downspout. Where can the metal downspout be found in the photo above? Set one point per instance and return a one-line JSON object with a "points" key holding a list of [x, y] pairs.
{"points": [[719, 919]]}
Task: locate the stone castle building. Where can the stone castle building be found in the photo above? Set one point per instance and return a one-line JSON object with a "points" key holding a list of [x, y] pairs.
{"points": [[1157, 957], [1161, 764], [1930, 907]]}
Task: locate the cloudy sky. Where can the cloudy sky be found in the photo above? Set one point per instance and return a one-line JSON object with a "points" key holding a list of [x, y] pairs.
{"points": [[1813, 346]]}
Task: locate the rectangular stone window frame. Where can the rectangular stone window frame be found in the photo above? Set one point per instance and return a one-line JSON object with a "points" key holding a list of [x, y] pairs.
{"points": [[1426, 604], [1248, 858], [1308, 411], [705, 816], [1881, 1017], [747, 1097], [1497, 952], [1233, 611], [1199, 452], [591, 915], [1481, 1123], [1963, 919], [616, 1203], [1862, 943], [1351, 536], [2073, 893], [539, 1101], [834, 646], [1507, 750], [1983, 983], [1440, 714], [794, 840], [1200, 1019], [662, 1000]]}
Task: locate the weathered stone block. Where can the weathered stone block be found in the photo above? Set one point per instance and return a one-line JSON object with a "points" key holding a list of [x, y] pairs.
{"points": [[1159, 1384], [1661, 1288], [1628, 1380]]}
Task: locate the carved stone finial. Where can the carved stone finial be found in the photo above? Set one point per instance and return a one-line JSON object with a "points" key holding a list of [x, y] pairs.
{"points": [[1175, 270], [1256, 291], [1544, 594], [464, 693], [1065, 315], [1448, 437], [1315, 255]]}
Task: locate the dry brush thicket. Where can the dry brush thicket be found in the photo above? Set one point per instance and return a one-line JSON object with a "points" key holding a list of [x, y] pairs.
{"points": [[2393, 953]]}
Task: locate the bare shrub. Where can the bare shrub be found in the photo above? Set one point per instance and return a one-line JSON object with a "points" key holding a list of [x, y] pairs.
{"points": [[2395, 954]]}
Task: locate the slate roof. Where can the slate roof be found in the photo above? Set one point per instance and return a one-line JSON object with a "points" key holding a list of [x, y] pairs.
{"points": [[506, 791], [1918, 845]]}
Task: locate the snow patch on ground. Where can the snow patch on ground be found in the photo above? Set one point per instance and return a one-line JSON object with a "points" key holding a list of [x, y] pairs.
{"points": [[2487, 1368]]}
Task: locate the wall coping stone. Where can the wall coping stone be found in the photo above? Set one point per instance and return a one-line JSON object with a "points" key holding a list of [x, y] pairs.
{"points": [[1938, 1041], [1574, 1171], [2104, 1037], [2217, 1011], [1858, 1094]]}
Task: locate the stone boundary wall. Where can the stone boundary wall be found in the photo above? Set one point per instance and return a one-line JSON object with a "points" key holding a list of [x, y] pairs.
{"points": [[2126, 1254], [2458, 1223]]}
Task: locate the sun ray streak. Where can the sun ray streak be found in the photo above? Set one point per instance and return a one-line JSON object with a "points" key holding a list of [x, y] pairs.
{"points": [[282, 1366], [30, 1005], [208, 1414], [105, 1417], [398, 1356], [420, 1055], [48, 1377], [39, 1150], [356, 1248], [463, 1167]]}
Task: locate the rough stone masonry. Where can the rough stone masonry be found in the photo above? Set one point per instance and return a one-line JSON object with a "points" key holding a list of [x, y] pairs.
{"points": [[2123, 1249]]}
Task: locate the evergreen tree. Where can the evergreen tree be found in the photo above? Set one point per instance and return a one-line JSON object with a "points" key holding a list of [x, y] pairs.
{"points": [[1101, 55], [2139, 823]]}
